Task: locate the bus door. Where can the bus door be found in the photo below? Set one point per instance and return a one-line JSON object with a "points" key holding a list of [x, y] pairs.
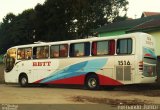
{"points": [[41, 64], [124, 61], [41, 68]]}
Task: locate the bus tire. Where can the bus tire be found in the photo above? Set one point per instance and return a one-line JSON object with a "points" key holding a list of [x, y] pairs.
{"points": [[92, 82], [23, 80]]}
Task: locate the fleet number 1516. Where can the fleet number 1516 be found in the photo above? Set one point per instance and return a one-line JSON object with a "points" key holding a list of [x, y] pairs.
{"points": [[124, 62]]}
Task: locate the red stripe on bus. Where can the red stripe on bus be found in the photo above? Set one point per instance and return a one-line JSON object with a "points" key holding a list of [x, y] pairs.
{"points": [[103, 80], [38, 81], [71, 80]]}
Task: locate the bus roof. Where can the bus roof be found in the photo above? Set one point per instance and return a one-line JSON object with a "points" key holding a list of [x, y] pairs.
{"points": [[83, 40]]}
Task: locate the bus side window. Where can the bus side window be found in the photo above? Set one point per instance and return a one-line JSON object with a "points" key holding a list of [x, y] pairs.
{"points": [[24, 53], [46, 52], [54, 51], [59, 51], [21, 54], [80, 49], [41, 52], [28, 53], [101, 48], [124, 46], [106, 47], [63, 50]]}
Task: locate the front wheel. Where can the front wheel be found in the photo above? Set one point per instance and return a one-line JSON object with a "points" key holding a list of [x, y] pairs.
{"points": [[92, 82], [23, 81]]}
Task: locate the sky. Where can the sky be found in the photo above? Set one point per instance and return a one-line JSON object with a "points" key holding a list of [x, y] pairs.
{"points": [[135, 7], [16, 6]]}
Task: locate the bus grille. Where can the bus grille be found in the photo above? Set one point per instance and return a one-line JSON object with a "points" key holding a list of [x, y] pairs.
{"points": [[123, 73]]}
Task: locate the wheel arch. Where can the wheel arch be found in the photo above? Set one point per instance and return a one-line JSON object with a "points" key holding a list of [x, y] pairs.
{"points": [[89, 74], [22, 74]]}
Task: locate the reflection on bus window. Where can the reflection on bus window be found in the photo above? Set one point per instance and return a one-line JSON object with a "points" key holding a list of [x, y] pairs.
{"points": [[24, 53], [80, 49], [21, 54], [41, 52], [59, 51], [12, 53], [28, 53], [10, 59], [55, 51], [124, 46], [63, 50], [103, 48]]}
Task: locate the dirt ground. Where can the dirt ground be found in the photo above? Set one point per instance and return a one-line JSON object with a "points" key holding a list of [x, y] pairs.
{"points": [[147, 94], [128, 95]]}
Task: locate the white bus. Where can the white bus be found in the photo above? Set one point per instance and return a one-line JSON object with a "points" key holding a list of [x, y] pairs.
{"points": [[92, 62]]}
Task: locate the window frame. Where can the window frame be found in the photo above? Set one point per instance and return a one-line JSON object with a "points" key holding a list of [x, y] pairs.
{"points": [[127, 53]]}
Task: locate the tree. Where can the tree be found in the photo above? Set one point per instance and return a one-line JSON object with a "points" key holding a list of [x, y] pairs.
{"points": [[17, 30], [77, 17], [5, 31], [59, 20], [23, 27]]}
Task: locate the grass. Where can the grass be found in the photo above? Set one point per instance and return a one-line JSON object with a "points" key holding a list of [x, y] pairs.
{"points": [[1, 69], [1, 58], [1, 73]]}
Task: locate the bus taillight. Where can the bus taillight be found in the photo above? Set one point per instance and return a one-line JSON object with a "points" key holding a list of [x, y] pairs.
{"points": [[141, 65]]}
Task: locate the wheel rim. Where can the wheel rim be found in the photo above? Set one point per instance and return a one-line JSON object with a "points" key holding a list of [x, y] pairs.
{"points": [[92, 82], [24, 81]]}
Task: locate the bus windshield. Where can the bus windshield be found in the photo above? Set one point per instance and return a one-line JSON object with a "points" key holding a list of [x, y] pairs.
{"points": [[9, 59]]}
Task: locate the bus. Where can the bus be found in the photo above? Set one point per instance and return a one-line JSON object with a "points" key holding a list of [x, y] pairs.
{"points": [[92, 62]]}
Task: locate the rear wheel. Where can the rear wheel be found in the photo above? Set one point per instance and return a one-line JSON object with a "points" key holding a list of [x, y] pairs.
{"points": [[23, 81], [92, 82]]}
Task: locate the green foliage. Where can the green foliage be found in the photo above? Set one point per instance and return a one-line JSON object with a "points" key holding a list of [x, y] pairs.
{"points": [[1, 59], [58, 20]]}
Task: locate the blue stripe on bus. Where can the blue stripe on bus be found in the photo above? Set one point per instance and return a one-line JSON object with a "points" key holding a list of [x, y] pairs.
{"points": [[77, 69]]}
